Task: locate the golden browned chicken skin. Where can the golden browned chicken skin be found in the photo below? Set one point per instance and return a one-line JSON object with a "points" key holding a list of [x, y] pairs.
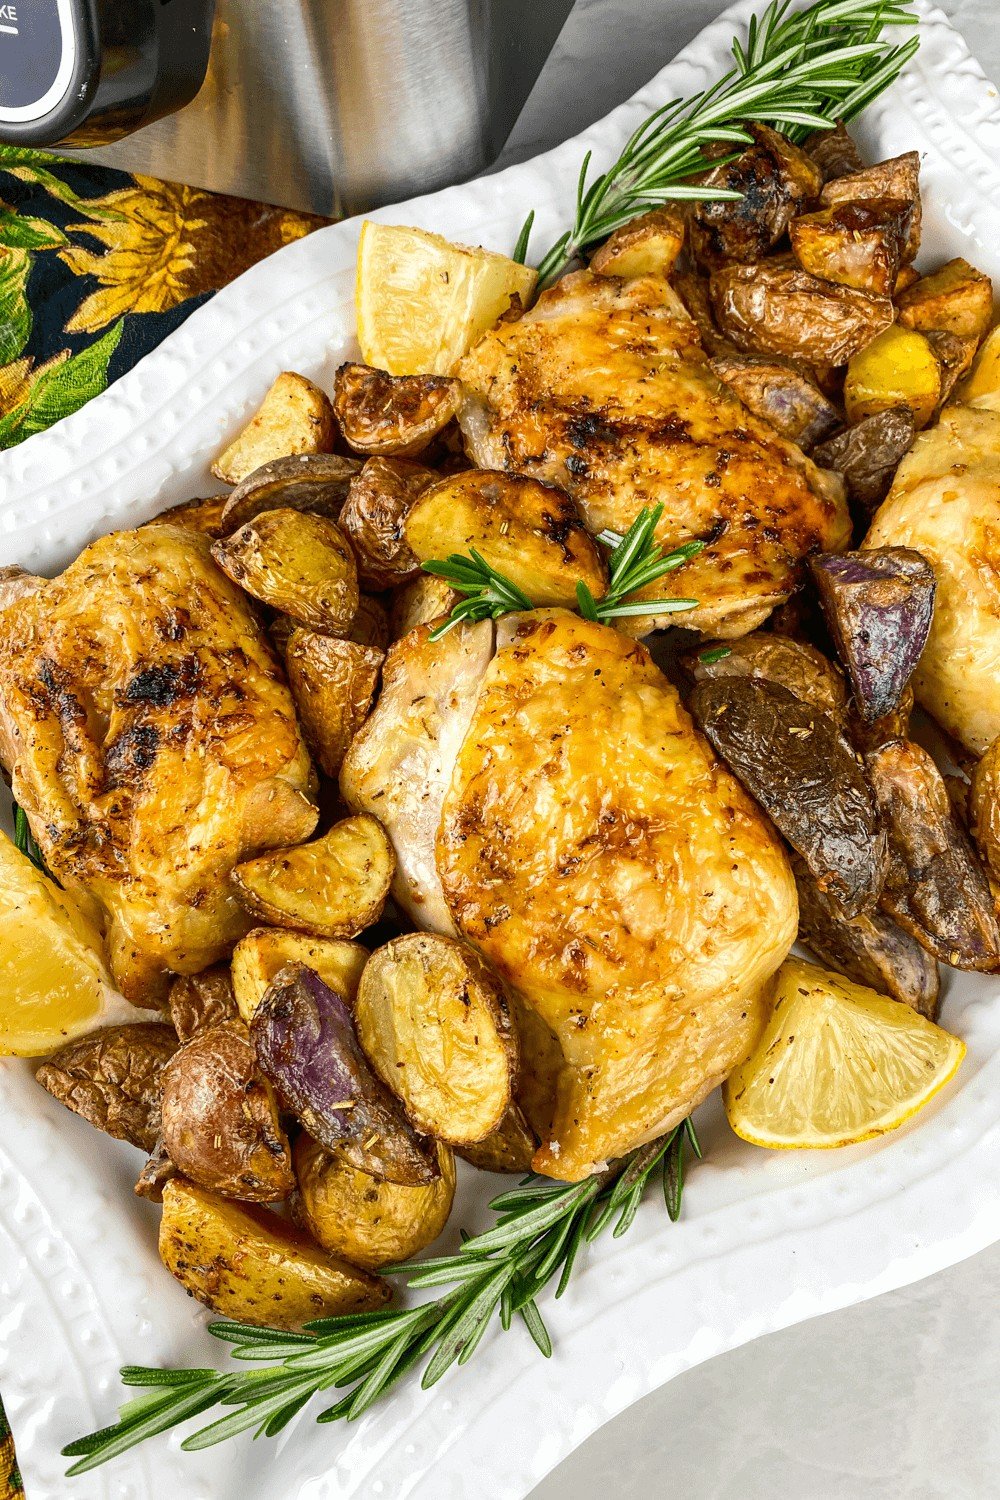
{"points": [[151, 739], [603, 388]]}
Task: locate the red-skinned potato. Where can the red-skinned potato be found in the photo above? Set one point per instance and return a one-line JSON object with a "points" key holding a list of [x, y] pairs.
{"points": [[392, 414]]}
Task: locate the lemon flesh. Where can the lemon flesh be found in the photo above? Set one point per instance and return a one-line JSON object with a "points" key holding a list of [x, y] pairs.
{"points": [[837, 1063], [54, 984], [423, 302]]}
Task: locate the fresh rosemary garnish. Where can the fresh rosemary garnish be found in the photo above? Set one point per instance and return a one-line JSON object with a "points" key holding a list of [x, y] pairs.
{"points": [[714, 654], [798, 70], [540, 1229], [636, 561], [25, 840]]}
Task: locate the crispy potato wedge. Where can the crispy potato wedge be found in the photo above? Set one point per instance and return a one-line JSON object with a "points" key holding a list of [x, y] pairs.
{"points": [[792, 664], [897, 178], [220, 1124], [854, 244], [898, 368], [298, 563], [783, 310], [113, 1079], [782, 395], [333, 887], [202, 516], [531, 532], [868, 454], [647, 246], [869, 948], [392, 414], [435, 1026], [307, 1045], [984, 808], [370, 626], [247, 1264], [956, 299], [878, 605], [795, 761], [936, 888], [508, 1148], [423, 599], [294, 417], [774, 179], [367, 1220], [316, 482], [834, 152], [200, 1000], [333, 683], [379, 501], [259, 957], [908, 276]]}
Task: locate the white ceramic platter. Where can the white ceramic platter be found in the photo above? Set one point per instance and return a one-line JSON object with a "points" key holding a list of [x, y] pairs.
{"points": [[766, 1239]]}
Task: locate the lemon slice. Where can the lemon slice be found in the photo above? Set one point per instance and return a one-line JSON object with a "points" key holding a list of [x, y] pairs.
{"points": [[423, 302], [837, 1063], [54, 984]]}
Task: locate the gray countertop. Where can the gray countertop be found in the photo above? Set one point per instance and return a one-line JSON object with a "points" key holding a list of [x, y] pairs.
{"points": [[892, 1400]]}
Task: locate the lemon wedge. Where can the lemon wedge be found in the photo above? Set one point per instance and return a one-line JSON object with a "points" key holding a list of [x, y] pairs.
{"points": [[837, 1063], [54, 984], [423, 302]]}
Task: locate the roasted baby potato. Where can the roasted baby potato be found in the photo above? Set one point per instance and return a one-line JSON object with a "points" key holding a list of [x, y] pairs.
{"points": [[200, 1000], [508, 1148], [392, 414], [869, 948], [834, 152], [423, 599], [202, 516], [379, 501], [792, 664], [333, 887], [220, 1118], [294, 417], [259, 957], [984, 808], [333, 683], [854, 244], [247, 1264], [897, 179], [868, 734], [434, 1024], [306, 1044], [868, 454], [955, 353], [782, 395], [370, 626], [955, 299], [296, 562], [695, 292], [899, 368], [797, 764], [531, 532], [985, 376], [782, 309], [774, 178], [646, 246], [316, 482], [935, 886], [878, 605], [370, 1222], [113, 1078]]}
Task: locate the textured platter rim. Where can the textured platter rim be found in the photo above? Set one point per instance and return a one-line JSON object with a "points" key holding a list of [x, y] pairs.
{"points": [[797, 1240]]}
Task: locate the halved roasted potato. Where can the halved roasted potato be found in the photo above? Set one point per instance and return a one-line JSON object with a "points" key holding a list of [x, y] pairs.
{"points": [[834, 152], [423, 599], [370, 626], [298, 563], [294, 417], [984, 808], [955, 353], [316, 482], [792, 664], [380, 499], [985, 376], [531, 532], [868, 454], [248, 1264], [265, 951], [333, 683], [392, 414], [200, 1000], [956, 298], [695, 291], [434, 1024], [897, 178], [784, 310], [203, 516], [898, 368], [854, 244], [113, 1078], [782, 395], [369, 1221], [646, 246], [333, 887], [508, 1148], [774, 179]]}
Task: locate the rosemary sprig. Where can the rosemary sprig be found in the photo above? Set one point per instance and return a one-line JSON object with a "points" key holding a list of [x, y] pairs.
{"points": [[636, 561], [25, 840], [540, 1229], [799, 70]]}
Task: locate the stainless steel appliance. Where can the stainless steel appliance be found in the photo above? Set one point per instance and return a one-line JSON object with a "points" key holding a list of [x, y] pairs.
{"points": [[328, 105]]}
